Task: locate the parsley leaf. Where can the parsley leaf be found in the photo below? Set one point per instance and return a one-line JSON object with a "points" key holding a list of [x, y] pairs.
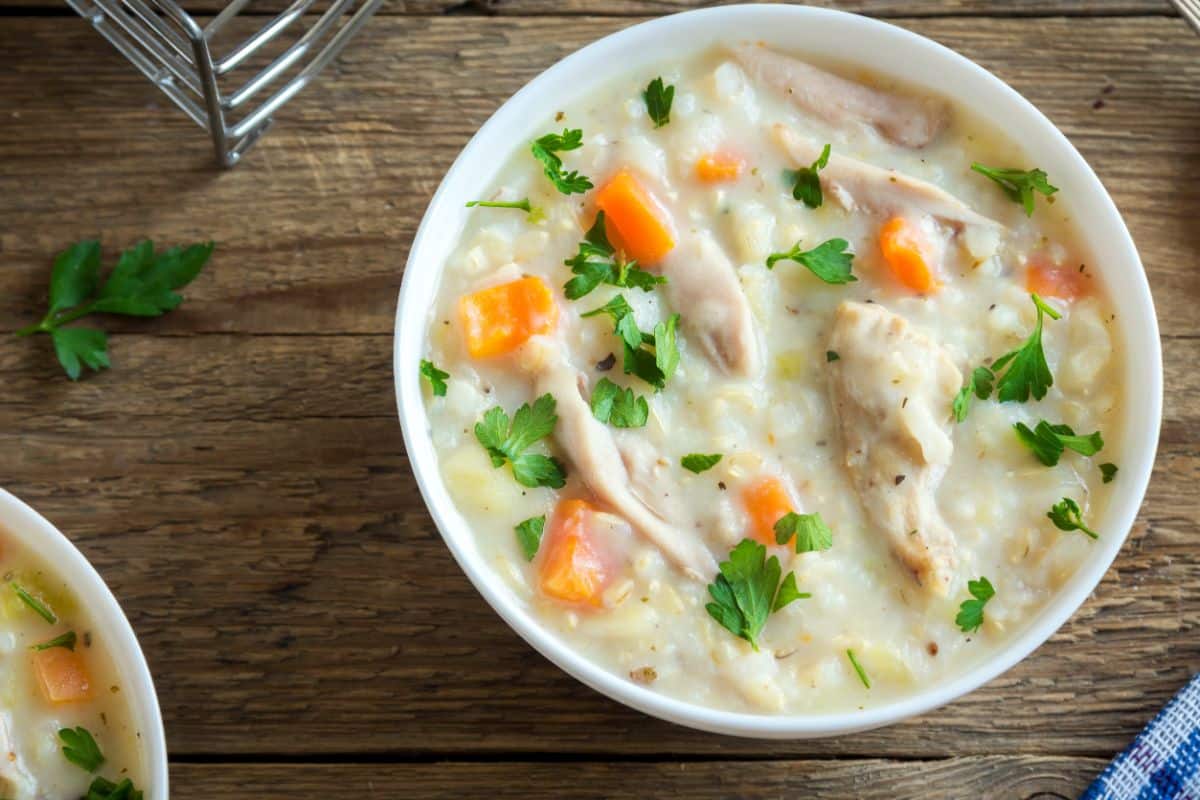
{"points": [[80, 748], [810, 531], [829, 260], [653, 357], [104, 789], [1108, 472], [979, 384], [698, 462], [862, 673], [544, 150], [506, 442], [142, 284], [970, 613], [747, 590], [535, 213], [658, 101], [1027, 372], [1067, 516], [65, 640], [437, 378], [35, 605], [788, 592], [618, 407], [831, 355], [595, 263], [1018, 184], [1049, 441], [529, 535], [806, 184]]}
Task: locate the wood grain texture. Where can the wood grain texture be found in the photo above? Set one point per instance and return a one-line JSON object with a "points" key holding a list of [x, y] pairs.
{"points": [[240, 479], [994, 778]]}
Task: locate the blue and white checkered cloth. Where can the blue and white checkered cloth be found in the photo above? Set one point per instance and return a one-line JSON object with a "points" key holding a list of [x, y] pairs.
{"points": [[1163, 763]]}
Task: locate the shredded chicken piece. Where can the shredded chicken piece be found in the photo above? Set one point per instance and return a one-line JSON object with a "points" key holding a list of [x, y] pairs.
{"points": [[907, 121], [891, 389], [15, 781]]}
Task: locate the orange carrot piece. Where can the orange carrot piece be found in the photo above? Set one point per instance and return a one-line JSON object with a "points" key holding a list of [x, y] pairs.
{"points": [[63, 675], [571, 570], [904, 250], [1052, 281], [500, 319], [766, 501], [640, 222], [718, 167]]}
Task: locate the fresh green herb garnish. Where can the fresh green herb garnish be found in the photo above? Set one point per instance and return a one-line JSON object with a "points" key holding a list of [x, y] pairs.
{"points": [[80, 748], [699, 462], [535, 214], [806, 184], [1067, 516], [64, 640], [529, 535], [1108, 472], [829, 260], [544, 149], [653, 357], [862, 673], [1049, 441], [831, 355], [507, 442], [810, 531], [35, 605], [1018, 184], [103, 789], [1027, 372], [658, 101], [437, 378], [618, 407], [979, 384], [747, 590], [788, 592], [595, 263], [142, 284], [970, 613]]}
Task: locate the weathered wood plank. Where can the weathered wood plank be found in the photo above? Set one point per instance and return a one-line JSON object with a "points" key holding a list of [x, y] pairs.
{"points": [[996, 778], [313, 229]]}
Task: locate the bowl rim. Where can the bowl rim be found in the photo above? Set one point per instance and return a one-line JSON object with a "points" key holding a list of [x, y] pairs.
{"points": [[51, 546], [1139, 432]]}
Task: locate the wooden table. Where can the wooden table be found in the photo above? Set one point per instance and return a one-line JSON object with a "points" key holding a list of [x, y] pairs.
{"points": [[239, 476]]}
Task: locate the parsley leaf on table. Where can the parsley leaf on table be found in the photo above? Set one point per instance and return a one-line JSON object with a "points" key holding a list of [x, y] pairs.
{"points": [[1067, 516], [1018, 184], [80, 748], [545, 148], [747, 590], [529, 535], [437, 378], [806, 183], [829, 260], [970, 613], [699, 462], [618, 407], [142, 284], [596, 263], [658, 101], [506, 442], [1049, 441], [810, 531]]}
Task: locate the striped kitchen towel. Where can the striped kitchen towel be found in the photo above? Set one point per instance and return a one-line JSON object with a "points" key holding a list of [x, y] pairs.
{"points": [[1163, 763]]}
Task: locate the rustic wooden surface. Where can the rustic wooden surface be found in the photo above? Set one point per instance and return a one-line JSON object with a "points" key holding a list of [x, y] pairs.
{"points": [[240, 479]]}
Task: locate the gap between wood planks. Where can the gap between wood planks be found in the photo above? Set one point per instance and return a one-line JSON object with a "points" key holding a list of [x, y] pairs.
{"points": [[540, 757]]}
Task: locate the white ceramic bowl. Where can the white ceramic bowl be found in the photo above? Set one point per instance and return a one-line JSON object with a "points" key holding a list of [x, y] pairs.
{"points": [[824, 34], [36, 535]]}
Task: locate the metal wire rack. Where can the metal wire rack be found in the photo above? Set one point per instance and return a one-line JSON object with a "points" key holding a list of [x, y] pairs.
{"points": [[212, 73]]}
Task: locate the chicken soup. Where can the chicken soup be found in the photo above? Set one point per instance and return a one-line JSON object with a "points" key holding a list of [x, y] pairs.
{"points": [[66, 729], [775, 386]]}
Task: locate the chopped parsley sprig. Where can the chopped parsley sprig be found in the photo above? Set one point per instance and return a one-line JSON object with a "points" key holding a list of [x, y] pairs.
{"points": [[806, 183], [437, 378], [104, 789], [618, 407], [658, 101], [858, 668], [810, 530], [653, 357], [80, 748], [830, 261], [747, 590], [535, 213], [970, 613], [1048, 442], [506, 442], [1018, 184], [64, 640], [35, 605], [596, 263], [700, 462], [1067, 516], [1108, 472], [529, 535], [545, 150]]}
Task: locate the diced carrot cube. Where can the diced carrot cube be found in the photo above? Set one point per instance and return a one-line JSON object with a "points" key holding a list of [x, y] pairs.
{"points": [[571, 570], [1052, 281], [639, 221], [906, 253], [500, 319], [718, 167], [767, 500], [63, 675]]}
